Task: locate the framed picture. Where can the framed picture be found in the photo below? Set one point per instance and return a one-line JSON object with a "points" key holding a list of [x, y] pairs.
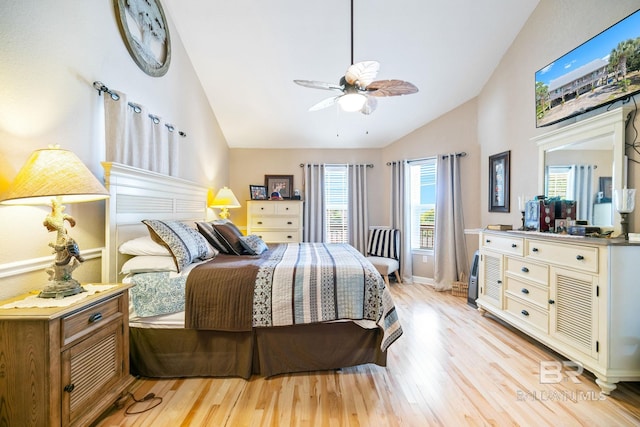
{"points": [[282, 184], [258, 192], [499, 182], [606, 189]]}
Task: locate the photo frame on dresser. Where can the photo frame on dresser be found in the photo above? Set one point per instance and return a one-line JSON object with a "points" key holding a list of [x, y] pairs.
{"points": [[499, 182], [282, 184], [258, 192]]}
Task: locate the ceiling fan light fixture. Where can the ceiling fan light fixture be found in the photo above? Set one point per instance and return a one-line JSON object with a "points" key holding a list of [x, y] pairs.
{"points": [[352, 102]]}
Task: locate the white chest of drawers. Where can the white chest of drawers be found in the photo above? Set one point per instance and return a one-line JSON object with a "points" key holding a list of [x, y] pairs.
{"points": [[577, 296], [277, 221]]}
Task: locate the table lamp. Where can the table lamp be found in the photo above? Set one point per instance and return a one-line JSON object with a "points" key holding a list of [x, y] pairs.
{"points": [[625, 201], [55, 176], [225, 200]]}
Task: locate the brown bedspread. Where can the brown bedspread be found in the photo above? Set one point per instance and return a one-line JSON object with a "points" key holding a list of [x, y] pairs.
{"points": [[219, 293]]}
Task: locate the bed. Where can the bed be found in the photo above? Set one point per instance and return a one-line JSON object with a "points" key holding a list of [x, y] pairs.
{"points": [[238, 315]]}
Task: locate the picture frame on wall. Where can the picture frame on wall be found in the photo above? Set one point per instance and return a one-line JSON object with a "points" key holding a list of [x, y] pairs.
{"points": [[282, 184], [499, 169], [258, 192]]}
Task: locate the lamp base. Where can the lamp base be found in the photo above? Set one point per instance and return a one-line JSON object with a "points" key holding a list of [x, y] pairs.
{"points": [[61, 289]]}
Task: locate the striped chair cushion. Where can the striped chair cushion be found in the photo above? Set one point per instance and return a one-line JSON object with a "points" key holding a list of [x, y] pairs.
{"points": [[384, 242]]}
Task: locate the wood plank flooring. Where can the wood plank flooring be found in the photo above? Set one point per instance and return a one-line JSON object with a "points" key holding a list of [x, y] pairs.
{"points": [[452, 366]]}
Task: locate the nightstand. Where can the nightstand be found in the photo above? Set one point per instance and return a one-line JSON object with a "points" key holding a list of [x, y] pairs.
{"points": [[64, 366]]}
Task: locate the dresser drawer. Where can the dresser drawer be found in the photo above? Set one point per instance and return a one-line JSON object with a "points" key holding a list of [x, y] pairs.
{"points": [[90, 318], [528, 291], [528, 270], [289, 236], [258, 222], [262, 208], [287, 208], [507, 244], [528, 313], [573, 256]]}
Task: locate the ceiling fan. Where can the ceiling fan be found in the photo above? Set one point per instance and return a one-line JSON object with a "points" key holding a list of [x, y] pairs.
{"points": [[359, 90]]}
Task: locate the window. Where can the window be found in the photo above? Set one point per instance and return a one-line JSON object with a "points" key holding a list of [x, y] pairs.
{"points": [[559, 182], [336, 193], [423, 203]]}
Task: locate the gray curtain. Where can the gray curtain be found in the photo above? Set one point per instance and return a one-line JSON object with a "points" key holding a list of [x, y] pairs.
{"points": [[450, 245], [583, 191], [400, 215], [358, 207], [314, 228]]}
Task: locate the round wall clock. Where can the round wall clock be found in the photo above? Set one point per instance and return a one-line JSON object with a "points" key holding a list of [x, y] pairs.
{"points": [[144, 28]]}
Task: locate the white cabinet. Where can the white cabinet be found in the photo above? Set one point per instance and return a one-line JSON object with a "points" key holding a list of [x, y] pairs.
{"points": [[578, 296], [275, 221]]}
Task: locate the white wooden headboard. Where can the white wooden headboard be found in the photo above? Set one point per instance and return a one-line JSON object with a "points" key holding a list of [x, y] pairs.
{"points": [[137, 194]]}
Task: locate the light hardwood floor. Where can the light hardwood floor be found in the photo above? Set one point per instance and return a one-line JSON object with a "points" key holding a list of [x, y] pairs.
{"points": [[452, 366]]}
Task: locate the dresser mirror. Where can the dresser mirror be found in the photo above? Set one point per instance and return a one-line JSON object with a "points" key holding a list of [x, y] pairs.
{"points": [[588, 157]]}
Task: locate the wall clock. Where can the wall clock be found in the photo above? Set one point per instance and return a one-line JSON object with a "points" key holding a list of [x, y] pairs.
{"points": [[145, 32]]}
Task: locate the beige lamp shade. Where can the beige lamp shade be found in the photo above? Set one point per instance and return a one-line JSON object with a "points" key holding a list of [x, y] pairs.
{"points": [[53, 173], [225, 199]]}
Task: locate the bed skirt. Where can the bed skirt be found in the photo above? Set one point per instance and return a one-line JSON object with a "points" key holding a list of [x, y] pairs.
{"points": [[176, 353]]}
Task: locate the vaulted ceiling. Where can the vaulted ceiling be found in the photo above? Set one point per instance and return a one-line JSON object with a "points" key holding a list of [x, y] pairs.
{"points": [[247, 53]]}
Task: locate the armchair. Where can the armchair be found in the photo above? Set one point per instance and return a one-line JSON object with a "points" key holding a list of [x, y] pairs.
{"points": [[383, 251]]}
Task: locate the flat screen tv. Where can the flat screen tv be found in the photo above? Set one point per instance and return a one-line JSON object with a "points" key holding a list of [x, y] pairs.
{"points": [[603, 70]]}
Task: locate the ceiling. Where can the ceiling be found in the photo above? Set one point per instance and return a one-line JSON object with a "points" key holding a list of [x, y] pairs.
{"points": [[248, 52]]}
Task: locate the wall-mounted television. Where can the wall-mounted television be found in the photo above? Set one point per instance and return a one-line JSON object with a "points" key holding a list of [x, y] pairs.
{"points": [[603, 70]]}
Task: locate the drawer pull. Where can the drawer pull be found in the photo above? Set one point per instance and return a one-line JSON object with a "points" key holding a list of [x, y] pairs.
{"points": [[499, 282], [69, 388], [289, 237], [286, 209], [524, 269], [96, 317], [551, 301], [579, 257], [259, 222], [513, 245], [289, 222], [524, 290], [524, 312], [534, 249], [488, 241]]}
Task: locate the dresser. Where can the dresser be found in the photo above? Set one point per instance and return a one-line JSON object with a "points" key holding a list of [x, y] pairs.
{"points": [[275, 221], [578, 296], [64, 366]]}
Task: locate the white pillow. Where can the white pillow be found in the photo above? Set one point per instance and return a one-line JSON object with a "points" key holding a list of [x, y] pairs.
{"points": [[143, 246], [149, 264]]}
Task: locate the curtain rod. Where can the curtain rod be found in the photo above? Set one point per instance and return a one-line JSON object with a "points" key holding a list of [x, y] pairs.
{"points": [[369, 165], [101, 87], [444, 156]]}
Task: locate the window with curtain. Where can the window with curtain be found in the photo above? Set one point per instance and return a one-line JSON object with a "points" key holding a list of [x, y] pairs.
{"points": [[423, 203], [559, 182], [336, 193]]}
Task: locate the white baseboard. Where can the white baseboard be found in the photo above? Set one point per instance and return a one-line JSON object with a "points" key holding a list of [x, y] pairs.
{"points": [[34, 264], [423, 280]]}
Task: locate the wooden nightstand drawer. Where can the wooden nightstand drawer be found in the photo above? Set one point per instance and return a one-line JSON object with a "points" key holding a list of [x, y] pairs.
{"points": [[87, 320]]}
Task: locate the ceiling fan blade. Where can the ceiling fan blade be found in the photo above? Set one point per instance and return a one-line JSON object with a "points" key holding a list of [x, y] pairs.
{"points": [[362, 73], [318, 85], [327, 102], [391, 88], [369, 106]]}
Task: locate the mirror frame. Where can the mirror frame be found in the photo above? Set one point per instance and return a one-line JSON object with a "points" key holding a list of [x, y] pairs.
{"points": [[609, 125]]}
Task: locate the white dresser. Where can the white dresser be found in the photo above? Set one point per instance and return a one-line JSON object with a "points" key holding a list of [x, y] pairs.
{"points": [[275, 221], [578, 296]]}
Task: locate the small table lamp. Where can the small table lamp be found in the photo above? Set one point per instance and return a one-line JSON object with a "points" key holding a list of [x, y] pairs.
{"points": [[225, 200], [625, 201], [54, 176]]}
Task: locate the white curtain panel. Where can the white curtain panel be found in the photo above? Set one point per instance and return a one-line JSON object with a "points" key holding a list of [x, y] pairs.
{"points": [[174, 153], [400, 215], [358, 207], [450, 245], [314, 228], [115, 127], [583, 190]]}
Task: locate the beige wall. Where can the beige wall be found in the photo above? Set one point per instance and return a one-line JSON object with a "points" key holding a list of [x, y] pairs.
{"points": [[51, 52]]}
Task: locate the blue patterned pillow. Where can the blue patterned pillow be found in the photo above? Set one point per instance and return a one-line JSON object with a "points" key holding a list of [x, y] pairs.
{"points": [[253, 244], [185, 244]]}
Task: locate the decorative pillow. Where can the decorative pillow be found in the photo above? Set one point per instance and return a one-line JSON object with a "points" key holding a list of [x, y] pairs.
{"points": [[149, 264], [229, 236], [144, 245], [383, 242], [210, 234], [185, 243], [253, 244]]}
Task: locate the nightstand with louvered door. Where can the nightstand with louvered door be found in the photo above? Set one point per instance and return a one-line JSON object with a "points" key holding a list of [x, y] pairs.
{"points": [[64, 366], [277, 221]]}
